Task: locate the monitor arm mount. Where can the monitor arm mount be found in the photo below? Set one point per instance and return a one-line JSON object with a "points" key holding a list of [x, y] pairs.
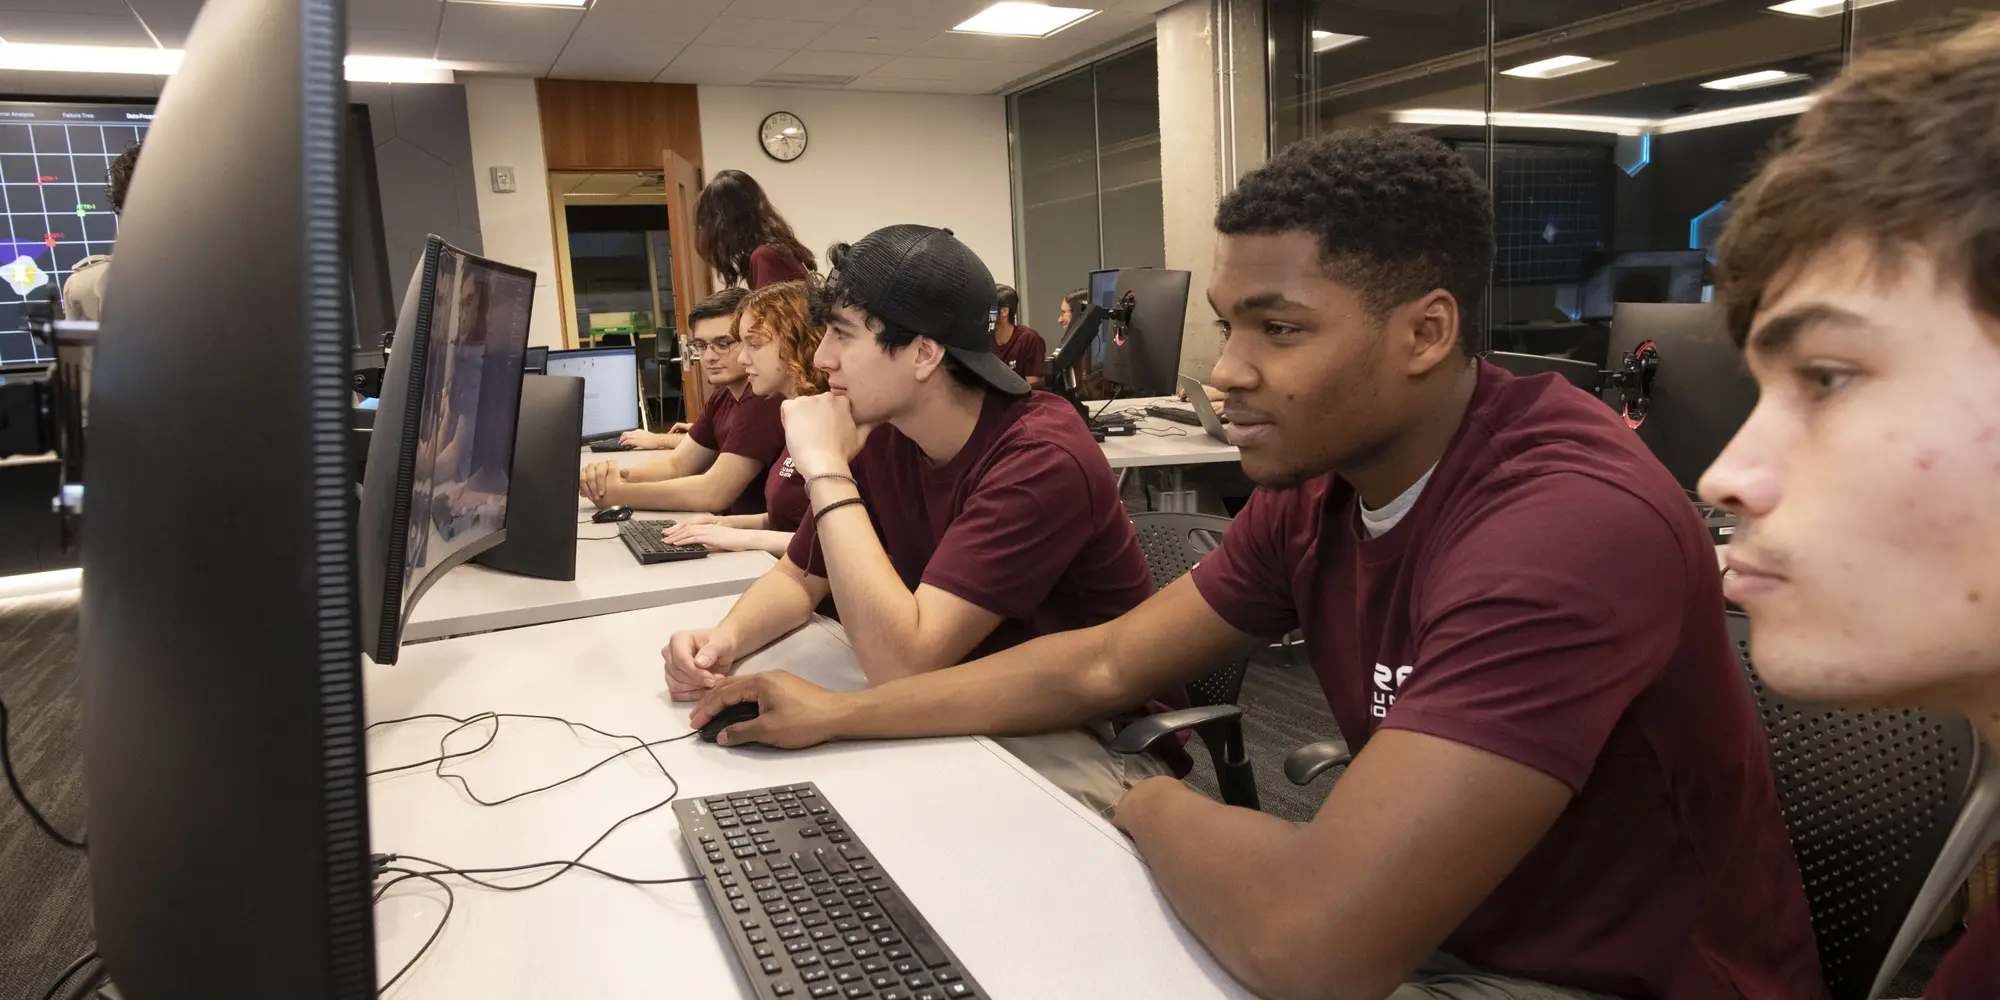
{"points": [[1633, 378], [42, 410]]}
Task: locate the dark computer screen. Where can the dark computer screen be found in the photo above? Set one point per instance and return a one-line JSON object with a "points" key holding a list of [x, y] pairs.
{"points": [[1701, 392], [1649, 276], [442, 452], [537, 362], [1104, 294], [1144, 355]]}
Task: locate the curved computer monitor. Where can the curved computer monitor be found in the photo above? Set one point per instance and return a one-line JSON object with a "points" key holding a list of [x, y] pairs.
{"points": [[441, 458]]}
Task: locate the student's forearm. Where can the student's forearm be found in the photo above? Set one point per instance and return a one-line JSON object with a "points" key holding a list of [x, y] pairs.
{"points": [[882, 616], [1054, 682], [747, 522], [688, 493], [654, 472], [776, 543], [1236, 902], [773, 606]]}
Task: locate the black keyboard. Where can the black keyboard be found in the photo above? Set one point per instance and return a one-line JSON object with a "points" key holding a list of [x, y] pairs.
{"points": [[1177, 414], [809, 911], [643, 538], [610, 444]]}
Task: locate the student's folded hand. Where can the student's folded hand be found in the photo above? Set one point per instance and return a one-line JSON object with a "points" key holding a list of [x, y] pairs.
{"points": [[696, 661], [791, 712], [715, 536], [821, 433]]}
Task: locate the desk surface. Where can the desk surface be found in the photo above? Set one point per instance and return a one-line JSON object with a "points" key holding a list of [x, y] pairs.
{"points": [[1039, 896], [473, 598], [1163, 446]]}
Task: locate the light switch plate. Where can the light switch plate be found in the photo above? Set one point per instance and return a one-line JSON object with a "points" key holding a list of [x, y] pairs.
{"points": [[503, 179]]}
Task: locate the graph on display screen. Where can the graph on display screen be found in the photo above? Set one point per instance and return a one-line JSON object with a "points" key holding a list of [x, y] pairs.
{"points": [[55, 162]]}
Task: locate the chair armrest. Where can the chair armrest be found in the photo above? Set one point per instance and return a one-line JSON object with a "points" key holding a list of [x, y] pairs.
{"points": [[1314, 759], [1141, 735]]}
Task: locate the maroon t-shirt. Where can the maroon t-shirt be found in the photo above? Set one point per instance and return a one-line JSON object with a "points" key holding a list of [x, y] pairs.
{"points": [[750, 427], [771, 263], [785, 502], [1025, 521], [1552, 598], [1972, 970], [1025, 352]]}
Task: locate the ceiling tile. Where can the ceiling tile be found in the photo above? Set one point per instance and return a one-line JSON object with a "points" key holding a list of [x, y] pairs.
{"points": [[500, 67], [496, 32], [683, 22], [402, 44], [124, 85], [50, 28], [761, 32], [615, 59], [395, 15], [916, 15], [106, 8], [915, 68], [862, 38], [901, 85], [721, 64], [1145, 6], [169, 20], [832, 63], [790, 10]]}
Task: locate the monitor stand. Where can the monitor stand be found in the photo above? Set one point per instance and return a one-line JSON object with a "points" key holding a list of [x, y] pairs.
{"points": [[541, 492]]}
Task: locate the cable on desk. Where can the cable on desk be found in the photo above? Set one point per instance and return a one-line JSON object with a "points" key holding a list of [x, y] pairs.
{"points": [[1165, 432], [439, 760], [21, 795], [74, 968], [450, 903], [598, 538]]}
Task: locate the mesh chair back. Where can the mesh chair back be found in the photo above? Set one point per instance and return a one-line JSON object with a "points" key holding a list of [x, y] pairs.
{"points": [[1172, 544], [1868, 798]]}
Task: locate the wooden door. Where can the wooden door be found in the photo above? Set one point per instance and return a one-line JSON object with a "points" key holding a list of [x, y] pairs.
{"points": [[692, 278]]}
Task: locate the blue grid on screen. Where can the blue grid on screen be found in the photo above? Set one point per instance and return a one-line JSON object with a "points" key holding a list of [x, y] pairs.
{"points": [[1551, 209], [55, 160]]}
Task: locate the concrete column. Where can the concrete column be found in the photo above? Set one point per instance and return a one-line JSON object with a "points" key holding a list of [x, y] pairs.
{"points": [[1213, 113]]}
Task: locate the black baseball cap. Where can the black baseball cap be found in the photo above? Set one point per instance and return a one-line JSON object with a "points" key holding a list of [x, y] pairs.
{"points": [[928, 282]]}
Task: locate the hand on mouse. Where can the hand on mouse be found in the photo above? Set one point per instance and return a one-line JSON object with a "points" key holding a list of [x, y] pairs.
{"points": [[791, 712], [697, 660]]}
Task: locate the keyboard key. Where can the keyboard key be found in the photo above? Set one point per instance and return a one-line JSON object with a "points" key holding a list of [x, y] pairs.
{"points": [[894, 995], [781, 989], [865, 951], [954, 991], [807, 960], [883, 982], [771, 968], [802, 944], [856, 991], [897, 954], [918, 982], [875, 967], [921, 940], [845, 976], [908, 968], [764, 951], [824, 990]]}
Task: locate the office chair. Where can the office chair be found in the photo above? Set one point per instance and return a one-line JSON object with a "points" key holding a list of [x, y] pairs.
{"points": [[1172, 544], [1888, 811]]}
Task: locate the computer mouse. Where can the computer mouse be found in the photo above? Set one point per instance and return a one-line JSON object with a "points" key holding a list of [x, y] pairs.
{"points": [[616, 512], [742, 711]]}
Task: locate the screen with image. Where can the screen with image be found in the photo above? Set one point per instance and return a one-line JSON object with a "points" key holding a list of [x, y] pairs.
{"points": [[610, 387], [471, 393]]}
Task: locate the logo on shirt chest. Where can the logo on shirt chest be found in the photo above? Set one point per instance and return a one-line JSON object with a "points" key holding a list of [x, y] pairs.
{"points": [[785, 471], [1387, 682]]}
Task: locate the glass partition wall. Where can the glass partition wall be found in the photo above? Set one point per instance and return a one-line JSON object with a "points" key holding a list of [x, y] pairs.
{"points": [[1612, 133]]}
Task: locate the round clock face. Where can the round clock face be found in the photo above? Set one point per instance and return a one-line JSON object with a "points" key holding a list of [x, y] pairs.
{"points": [[783, 136]]}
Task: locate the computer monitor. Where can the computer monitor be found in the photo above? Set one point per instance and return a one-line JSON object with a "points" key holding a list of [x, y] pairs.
{"points": [[1646, 276], [1104, 294], [1144, 355], [222, 723], [1700, 392], [541, 494], [611, 401], [537, 361], [441, 460]]}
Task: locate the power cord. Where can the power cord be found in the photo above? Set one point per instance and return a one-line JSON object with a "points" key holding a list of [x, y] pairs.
{"points": [[21, 795], [74, 968], [386, 863]]}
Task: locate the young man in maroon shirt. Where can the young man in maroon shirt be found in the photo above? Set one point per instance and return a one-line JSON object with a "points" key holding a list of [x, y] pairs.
{"points": [[1862, 271], [955, 512], [721, 465], [1560, 788], [1019, 346]]}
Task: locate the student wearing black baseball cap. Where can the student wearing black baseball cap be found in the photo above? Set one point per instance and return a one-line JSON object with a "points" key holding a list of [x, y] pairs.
{"points": [[954, 512]]}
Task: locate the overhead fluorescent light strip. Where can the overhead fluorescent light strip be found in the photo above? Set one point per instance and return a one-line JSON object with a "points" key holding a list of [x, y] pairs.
{"points": [[138, 61], [1555, 66], [1752, 81], [1023, 20], [1820, 8], [1605, 123], [1327, 41], [532, 3]]}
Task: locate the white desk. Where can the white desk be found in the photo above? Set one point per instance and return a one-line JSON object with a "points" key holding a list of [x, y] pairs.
{"points": [[1038, 896], [1194, 447], [608, 580]]}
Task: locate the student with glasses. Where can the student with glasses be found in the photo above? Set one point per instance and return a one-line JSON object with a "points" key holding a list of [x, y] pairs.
{"points": [[721, 465], [778, 335]]}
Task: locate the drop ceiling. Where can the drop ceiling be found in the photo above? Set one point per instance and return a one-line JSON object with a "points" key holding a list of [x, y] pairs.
{"points": [[898, 45]]}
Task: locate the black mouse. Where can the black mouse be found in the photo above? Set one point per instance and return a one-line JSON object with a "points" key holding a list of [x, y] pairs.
{"points": [[742, 711], [617, 512]]}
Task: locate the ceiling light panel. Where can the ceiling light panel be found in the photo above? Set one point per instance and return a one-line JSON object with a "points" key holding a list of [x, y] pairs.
{"points": [[1024, 20], [1327, 41], [1752, 81], [1555, 66]]}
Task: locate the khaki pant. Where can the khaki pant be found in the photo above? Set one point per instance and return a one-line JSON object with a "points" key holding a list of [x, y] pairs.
{"points": [[1443, 977], [1079, 762]]}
